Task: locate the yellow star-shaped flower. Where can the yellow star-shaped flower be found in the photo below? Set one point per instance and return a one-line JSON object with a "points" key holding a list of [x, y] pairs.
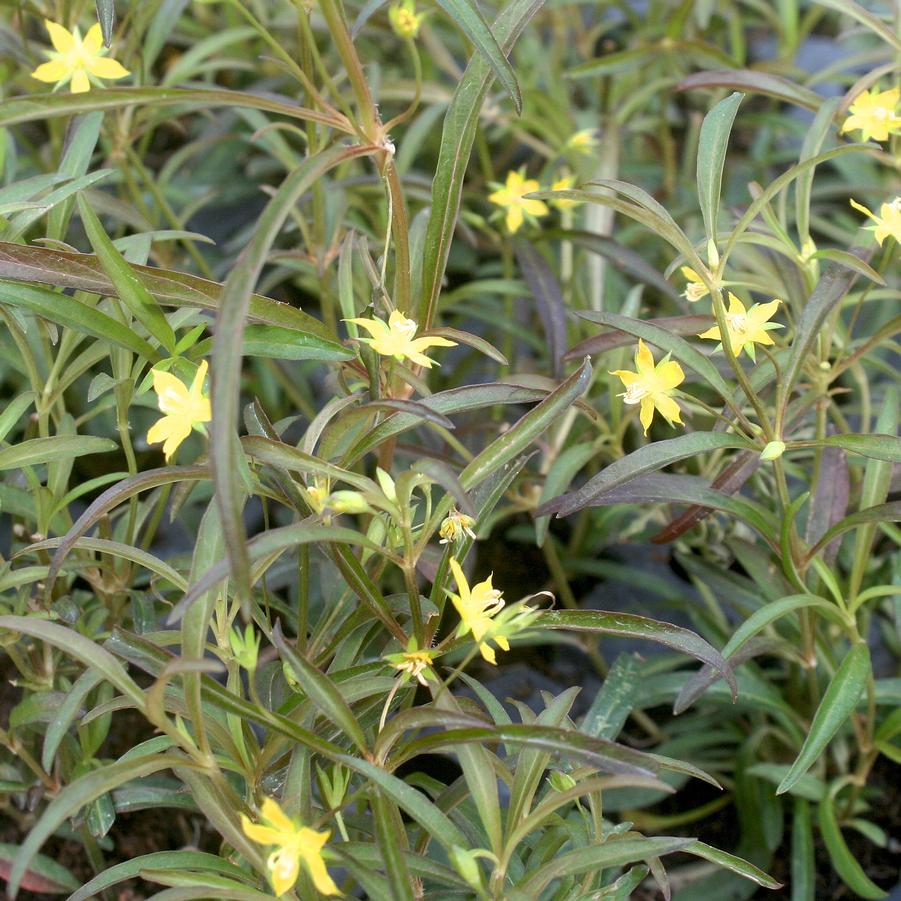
{"points": [[183, 407], [454, 526], [652, 386], [873, 113], [746, 327], [75, 60], [583, 141], [511, 197], [413, 662], [888, 222], [395, 339], [477, 606], [294, 845]]}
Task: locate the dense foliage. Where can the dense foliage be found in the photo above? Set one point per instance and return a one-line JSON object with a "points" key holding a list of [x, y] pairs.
{"points": [[366, 363]]}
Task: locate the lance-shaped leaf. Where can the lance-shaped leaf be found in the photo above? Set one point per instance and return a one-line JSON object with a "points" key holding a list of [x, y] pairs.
{"points": [[838, 702], [649, 458], [712, 144], [628, 625], [58, 447], [672, 325], [753, 82]]}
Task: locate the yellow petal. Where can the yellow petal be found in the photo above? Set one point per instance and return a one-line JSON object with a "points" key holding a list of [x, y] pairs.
{"points": [[502, 643], [263, 835], [196, 390], [713, 333], [861, 208], [644, 359], [375, 327], [62, 39], [689, 274], [276, 817], [284, 868], [104, 67], [647, 413], [669, 375], [93, 40], [535, 207], [764, 312], [487, 653], [460, 579], [736, 307], [626, 376], [52, 72], [310, 844], [80, 82], [172, 430], [172, 395], [667, 408], [514, 219]]}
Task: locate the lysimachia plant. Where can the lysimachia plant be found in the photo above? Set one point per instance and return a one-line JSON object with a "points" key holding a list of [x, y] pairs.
{"points": [[301, 308]]}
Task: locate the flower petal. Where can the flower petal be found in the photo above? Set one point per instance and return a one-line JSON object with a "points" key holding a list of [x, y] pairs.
{"points": [[272, 813], [263, 835], [52, 72], [713, 333], [62, 39], [284, 868], [667, 408], [310, 845], [764, 312], [104, 67], [375, 327], [460, 579], [644, 359], [80, 82], [647, 413], [669, 375], [196, 389], [93, 40], [736, 307], [626, 376]]}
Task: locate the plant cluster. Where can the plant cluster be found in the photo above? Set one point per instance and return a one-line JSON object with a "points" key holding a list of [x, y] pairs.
{"points": [[345, 345]]}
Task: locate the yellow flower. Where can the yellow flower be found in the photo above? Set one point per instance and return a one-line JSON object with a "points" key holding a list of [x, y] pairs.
{"points": [[564, 183], [888, 222], [873, 112], [746, 327], [511, 197], [695, 288], [651, 386], [395, 339], [583, 141], [413, 662], [404, 19], [184, 408], [295, 845], [73, 59], [476, 606], [454, 526]]}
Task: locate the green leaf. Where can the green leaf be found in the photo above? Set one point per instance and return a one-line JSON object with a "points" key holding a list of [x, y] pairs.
{"points": [[81, 142], [66, 715], [649, 458], [832, 287], [225, 366], [847, 867], [129, 288], [614, 702], [837, 705], [59, 447], [13, 412], [877, 447], [158, 860], [803, 861], [74, 797], [40, 107], [615, 852], [117, 494], [855, 11], [321, 691], [389, 830], [457, 137], [469, 17], [519, 436], [890, 512], [753, 82], [269, 544], [106, 16], [44, 875], [71, 313], [84, 272], [712, 144], [628, 624], [733, 863]]}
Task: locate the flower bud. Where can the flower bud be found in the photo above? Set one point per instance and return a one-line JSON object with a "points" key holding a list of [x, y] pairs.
{"points": [[773, 451]]}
